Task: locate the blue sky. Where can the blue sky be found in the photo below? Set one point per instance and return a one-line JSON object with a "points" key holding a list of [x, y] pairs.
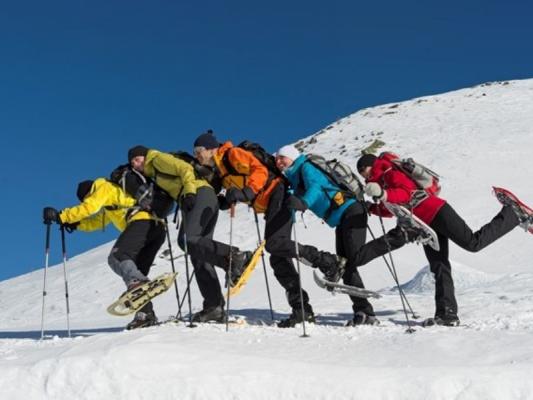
{"points": [[82, 81]]}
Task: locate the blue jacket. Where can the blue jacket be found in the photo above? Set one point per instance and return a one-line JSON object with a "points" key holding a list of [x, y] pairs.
{"points": [[317, 190]]}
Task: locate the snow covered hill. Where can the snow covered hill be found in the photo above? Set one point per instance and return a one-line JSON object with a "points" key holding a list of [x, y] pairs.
{"points": [[475, 138]]}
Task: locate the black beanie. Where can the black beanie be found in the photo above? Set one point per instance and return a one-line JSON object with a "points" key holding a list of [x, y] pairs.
{"points": [[366, 160], [137, 151], [207, 140], [83, 189]]}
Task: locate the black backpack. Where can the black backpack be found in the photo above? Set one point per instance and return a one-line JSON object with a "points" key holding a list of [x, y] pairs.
{"points": [[149, 196], [265, 158]]}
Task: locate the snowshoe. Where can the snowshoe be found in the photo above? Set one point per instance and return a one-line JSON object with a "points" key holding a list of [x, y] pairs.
{"points": [[296, 318], [523, 212], [142, 320], [242, 268], [446, 320], [211, 314], [361, 318], [414, 229]]}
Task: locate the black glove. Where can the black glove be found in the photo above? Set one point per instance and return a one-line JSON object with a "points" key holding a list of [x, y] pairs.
{"points": [[50, 215], [188, 201], [295, 203], [234, 195], [223, 203], [71, 227]]}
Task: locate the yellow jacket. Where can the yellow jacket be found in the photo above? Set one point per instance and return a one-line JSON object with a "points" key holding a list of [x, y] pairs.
{"points": [[92, 213], [170, 173]]}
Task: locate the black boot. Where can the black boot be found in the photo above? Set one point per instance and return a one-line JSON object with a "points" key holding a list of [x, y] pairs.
{"points": [[525, 217], [143, 318], [330, 265], [239, 262], [210, 314], [296, 317], [443, 320], [361, 318]]}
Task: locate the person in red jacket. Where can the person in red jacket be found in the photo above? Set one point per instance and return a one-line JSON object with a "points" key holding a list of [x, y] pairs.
{"points": [[385, 182]]}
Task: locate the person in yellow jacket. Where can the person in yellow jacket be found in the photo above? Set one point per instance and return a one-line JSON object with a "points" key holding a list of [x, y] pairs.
{"points": [[199, 205], [103, 202]]}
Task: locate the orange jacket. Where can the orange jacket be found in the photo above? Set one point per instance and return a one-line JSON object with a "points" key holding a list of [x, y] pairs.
{"points": [[252, 174]]}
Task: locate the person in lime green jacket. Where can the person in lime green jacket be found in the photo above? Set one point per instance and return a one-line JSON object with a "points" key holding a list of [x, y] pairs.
{"points": [[103, 202], [199, 204]]}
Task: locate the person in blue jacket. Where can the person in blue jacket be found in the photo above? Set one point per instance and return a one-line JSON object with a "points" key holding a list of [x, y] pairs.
{"points": [[313, 190]]}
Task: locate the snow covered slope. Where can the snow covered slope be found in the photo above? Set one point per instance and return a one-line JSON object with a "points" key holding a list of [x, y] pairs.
{"points": [[475, 138]]}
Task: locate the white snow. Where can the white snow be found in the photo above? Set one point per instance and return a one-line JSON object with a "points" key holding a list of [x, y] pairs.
{"points": [[476, 138]]}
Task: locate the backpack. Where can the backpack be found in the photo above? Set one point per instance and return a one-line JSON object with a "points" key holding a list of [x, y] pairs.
{"points": [[339, 173], [424, 178], [265, 158], [149, 196]]}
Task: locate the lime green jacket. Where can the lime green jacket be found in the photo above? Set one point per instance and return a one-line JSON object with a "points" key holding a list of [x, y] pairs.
{"points": [[175, 176]]}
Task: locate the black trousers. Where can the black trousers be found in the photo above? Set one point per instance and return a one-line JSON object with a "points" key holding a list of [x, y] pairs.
{"points": [[449, 225], [198, 226], [278, 229], [139, 243]]}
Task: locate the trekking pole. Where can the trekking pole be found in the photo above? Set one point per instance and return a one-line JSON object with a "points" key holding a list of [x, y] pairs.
{"points": [[172, 264], [185, 249], [47, 253], [231, 217], [410, 329], [392, 270], [395, 278], [264, 265], [304, 335], [180, 304], [64, 250]]}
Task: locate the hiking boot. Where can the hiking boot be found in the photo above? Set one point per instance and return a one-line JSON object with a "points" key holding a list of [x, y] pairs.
{"points": [[239, 262], [442, 320], [142, 319], [331, 265], [211, 314], [361, 318], [334, 273], [296, 318], [524, 215], [133, 285]]}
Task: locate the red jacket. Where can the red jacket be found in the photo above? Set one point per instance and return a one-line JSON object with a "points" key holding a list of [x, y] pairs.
{"points": [[400, 188]]}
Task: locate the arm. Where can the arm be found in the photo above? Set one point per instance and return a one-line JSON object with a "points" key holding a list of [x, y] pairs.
{"points": [[399, 187], [245, 163], [90, 205], [312, 183]]}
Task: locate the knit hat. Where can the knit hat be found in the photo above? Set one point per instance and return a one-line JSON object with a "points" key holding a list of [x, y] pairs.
{"points": [[366, 160], [289, 151], [137, 151], [83, 189], [207, 140]]}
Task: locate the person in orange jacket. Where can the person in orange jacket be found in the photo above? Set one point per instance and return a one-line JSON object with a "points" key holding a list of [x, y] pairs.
{"points": [[246, 179]]}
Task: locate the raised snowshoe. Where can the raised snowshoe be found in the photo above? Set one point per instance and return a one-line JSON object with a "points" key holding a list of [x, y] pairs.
{"points": [[140, 293], [296, 317], [414, 229], [243, 264], [523, 212], [361, 318], [336, 287], [331, 265]]}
